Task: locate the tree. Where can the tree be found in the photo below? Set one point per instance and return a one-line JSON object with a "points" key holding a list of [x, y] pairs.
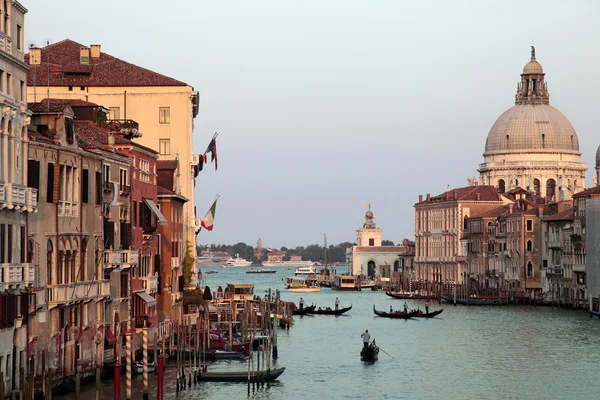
{"points": [[387, 243], [188, 265]]}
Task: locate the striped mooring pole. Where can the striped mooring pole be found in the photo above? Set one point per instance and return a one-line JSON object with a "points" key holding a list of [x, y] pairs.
{"points": [[145, 360], [128, 366]]}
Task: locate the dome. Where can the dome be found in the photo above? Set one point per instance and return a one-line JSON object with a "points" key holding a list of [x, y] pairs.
{"points": [[598, 157], [527, 127], [533, 67], [369, 214]]}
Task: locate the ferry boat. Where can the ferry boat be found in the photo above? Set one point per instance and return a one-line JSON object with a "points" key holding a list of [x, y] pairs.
{"points": [[300, 284], [343, 282], [237, 262], [307, 270], [290, 263]]}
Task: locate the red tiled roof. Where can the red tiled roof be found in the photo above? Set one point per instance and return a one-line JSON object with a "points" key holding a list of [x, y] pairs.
{"points": [[97, 133], [45, 106], [495, 213], [103, 71], [163, 191], [167, 165], [566, 215], [588, 192], [468, 193]]}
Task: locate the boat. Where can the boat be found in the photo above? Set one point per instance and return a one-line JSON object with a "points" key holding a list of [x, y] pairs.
{"points": [[432, 314], [138, 368], [396, 314], [304, 311], [289, 263], [223, 355], [237, 262], [300, 284], [260, 271], [214, 271], [478, 301], [307, 270], [369, 353], [406, 295], [331, 312], [343, 282], [593, 313], [241, 376]]}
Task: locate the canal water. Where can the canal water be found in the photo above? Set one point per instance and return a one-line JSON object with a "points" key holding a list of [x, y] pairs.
{"points": [[466, 353]]}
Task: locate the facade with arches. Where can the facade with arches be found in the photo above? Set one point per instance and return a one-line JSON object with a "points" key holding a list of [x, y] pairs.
{"points": [[533, 145]]}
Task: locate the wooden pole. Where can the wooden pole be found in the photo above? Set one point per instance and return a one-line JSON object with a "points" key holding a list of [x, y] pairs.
{"points": [[128, 366], [31, 379], [43, 373], [145, 361], [1, 385]]}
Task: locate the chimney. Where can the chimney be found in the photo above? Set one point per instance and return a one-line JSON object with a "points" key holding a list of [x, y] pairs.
{"points": [[111, 140], [35, 56], [95, 50], [84, 55], [420, 198], [478, 195], [428, 197]]}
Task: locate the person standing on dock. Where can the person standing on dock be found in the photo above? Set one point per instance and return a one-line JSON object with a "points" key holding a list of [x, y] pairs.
{"points": [[337, 303], [366, 337], [301, 303]]}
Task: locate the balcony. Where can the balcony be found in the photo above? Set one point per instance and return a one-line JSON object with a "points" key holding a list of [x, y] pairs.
{"points": [[31, 200], [142, 321], [554, 244], [556, 270], [150, 284], [5, 43], [67, 208], [74, 292], [175, 262], [120, 258], [124, 190], [108, 187], [12, 196], [17, 275]]}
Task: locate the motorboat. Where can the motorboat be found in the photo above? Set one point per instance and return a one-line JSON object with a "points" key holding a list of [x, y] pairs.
{"points": [[300, 284], [237, 262], [306, 270]]}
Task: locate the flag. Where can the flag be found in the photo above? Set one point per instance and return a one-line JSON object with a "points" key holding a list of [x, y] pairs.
{"points": [[212, 148], [56, 68], [209, 218]]}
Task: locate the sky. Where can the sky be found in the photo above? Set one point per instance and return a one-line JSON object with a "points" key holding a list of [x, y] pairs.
{"points": [[324, 105]]}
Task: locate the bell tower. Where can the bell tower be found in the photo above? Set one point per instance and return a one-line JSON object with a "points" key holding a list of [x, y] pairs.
{"points": [[532, 89], [369, 235]]}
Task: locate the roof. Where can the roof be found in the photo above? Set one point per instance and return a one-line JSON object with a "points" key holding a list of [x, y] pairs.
{"points": [[45, 106], [468, 193], [494, 213], [566, 215], [167, 165], [97, 133], [163, 191], [105, 70], [588, 192]]}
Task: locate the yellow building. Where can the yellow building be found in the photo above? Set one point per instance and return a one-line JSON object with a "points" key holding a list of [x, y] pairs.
{"points": [[164, 107]]}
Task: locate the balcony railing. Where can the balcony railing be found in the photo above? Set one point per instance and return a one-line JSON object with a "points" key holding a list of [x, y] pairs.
{"points": [[74, 292], [18, 274], [120, 258], [31, 200], [125, 190], [13, 196], [67, 208], [175, 262], [554, 271], [5, 43]]}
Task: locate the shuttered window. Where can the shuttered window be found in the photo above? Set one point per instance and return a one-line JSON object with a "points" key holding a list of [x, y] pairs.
{"points": [[33, 176], [50, 187], [99, 188]]}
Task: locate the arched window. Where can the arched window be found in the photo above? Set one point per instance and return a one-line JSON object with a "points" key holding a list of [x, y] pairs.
{"points": [[550, 189], [529, 269], [49, 263], [84, 259], [371, 269], [465, 225], [75, 275], [536, 186], [529, 245], [501, 186]]}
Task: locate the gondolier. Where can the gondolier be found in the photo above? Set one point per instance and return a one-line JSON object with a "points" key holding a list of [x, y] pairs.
{"points": [[405, 307], [337, 303], [366, 337], [301, 303]]}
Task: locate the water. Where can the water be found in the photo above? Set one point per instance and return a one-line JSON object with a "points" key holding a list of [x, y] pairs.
{"points": [[466, 353]]}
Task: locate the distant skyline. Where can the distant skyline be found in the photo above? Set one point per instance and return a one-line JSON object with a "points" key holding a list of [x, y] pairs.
{"points": [[323, 106]]}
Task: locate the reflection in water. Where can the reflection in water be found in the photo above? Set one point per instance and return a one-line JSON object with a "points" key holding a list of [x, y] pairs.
{"points": [[469, 353]]}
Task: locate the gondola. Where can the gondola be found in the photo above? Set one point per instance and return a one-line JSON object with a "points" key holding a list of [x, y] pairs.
{"points": [[304, 311], [223, 355], [432, 314], [593, 313], [396, 315], [478, 301], [369, 353], [241, 376], [331, 312], [405, 296]]}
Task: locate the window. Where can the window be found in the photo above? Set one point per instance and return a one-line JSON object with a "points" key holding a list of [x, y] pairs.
{"points": [[51, 195], [9, 246], [123, 182], [529, 269], [9, 84], [22, 241], [85, 182], [371, 242], [114, 112], [529, 225], [106, 173], [144, 170], [33, 176], [68, 196], [134, 213], [164, 146], [2, 244], [69, 130], [19, 37], [529, 245], [164, 115], [23, 93], [98, 188]]}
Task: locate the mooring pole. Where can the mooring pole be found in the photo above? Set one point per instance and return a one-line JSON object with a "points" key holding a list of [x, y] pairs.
{"points": [[117, 381], [159, 383]]}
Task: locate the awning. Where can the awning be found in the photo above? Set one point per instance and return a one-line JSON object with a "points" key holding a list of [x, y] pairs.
{"points": [[161, 218], [109, 337], [150, 301]]}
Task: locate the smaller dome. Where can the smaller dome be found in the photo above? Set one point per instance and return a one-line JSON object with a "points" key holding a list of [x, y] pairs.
{"points": [[598, 157], [369, 214], [533, 67]]}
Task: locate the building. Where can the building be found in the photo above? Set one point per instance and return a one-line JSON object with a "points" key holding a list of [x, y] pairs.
{"points": [[172, 245], [440, 223], [164, 106], [369, 258], [592, 238], [18, 278], [533, 145]]}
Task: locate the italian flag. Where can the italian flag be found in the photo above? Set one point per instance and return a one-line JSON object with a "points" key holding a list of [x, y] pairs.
{"points": [[209, 218]]}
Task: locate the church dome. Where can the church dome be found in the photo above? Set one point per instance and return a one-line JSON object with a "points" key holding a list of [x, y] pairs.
{"points": [[598, 157], [532, 127]]}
